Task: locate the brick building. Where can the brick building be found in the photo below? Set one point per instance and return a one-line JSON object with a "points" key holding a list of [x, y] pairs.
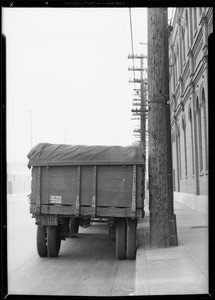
{"points": [[188, 60]]}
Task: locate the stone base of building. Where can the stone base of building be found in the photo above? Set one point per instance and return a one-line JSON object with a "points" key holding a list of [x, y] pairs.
{"points": [[196, 202]]}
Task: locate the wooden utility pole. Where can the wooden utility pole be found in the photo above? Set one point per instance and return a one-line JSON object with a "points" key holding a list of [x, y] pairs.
{"points": [[162, 220]]}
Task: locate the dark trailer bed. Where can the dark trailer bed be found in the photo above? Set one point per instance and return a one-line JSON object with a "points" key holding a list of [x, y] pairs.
{"points": [[73, 184]]}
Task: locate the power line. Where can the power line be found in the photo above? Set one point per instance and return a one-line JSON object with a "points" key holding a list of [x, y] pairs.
{"points": [[132, 43], [31, 125]]}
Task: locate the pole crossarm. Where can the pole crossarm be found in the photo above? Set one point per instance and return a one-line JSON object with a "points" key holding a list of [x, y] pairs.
{"points": [[135, 80], [139, 110], [137, 69], [141, 56]]}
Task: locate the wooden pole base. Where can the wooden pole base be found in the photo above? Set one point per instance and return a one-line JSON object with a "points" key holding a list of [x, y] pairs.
{"points": [[173, 231]]}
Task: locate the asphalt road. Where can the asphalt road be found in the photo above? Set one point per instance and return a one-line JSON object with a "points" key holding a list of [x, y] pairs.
{"points": [[86, 266]]}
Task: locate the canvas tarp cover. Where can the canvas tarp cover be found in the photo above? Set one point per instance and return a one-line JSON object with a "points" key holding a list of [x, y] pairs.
{"points": [[45, 154]]}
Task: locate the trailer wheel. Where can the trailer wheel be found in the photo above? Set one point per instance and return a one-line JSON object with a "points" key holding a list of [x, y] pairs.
{"points": [[74, 225], [54, 241], [42, 241], [120, 238], [131, 238]]}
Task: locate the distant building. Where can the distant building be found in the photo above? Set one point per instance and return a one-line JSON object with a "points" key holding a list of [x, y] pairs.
{"points": [[18, 178], [188, 60]]}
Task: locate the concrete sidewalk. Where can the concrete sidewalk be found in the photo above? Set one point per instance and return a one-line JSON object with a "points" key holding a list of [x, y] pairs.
{"points": [[174, 270]]}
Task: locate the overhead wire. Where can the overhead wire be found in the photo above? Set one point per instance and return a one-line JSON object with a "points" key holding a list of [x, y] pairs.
{"points": [[132, 42]]}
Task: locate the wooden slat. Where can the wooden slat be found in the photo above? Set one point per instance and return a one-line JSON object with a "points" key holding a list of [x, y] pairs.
{"points": [[63, 183], [134, 190], [63, 171], [140, 188], [115, 172], [94, 191], [105, 191], [77, 201], [38, 190], [87, 211]]}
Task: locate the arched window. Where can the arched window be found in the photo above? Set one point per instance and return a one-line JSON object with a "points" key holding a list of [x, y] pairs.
{"points": [[187, 29], [174, 57], [185, 143], [183, 45], [199, 133], [179, 151], [192, 147], [173, 76], [205, 128], [177, 63], [191, 26], [195, 18]]}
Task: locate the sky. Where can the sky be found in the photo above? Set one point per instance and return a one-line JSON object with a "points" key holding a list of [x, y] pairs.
{"points": [[70, 67]]}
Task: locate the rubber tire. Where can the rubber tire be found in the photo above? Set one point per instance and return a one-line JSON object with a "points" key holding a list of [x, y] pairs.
{"points": [[74, 225], [53, 241], [131, 239], [42, 241], [121, 238]]}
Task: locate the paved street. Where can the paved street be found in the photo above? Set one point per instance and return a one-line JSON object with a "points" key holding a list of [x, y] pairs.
{"points": [[85, 266]]}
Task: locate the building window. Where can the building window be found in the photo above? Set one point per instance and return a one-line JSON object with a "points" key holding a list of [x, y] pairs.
{"points": [[173, 67], [195, 18], [191, 27], [199, 133], [178, 62], [177, 65], [187, 30], [192, 147], [183, 45], [205, 129], [173, 175], [185, 143], [173, 77], [179, 151]]}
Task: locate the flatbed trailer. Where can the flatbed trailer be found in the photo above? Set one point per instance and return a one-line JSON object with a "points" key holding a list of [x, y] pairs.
{"points": [[76, 185]]}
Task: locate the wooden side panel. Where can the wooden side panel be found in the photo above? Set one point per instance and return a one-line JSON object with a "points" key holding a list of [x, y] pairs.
{"points": [[113, 185], [86, 211], [87, 185], [34, 175], [59, 181], [140, 186]]}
